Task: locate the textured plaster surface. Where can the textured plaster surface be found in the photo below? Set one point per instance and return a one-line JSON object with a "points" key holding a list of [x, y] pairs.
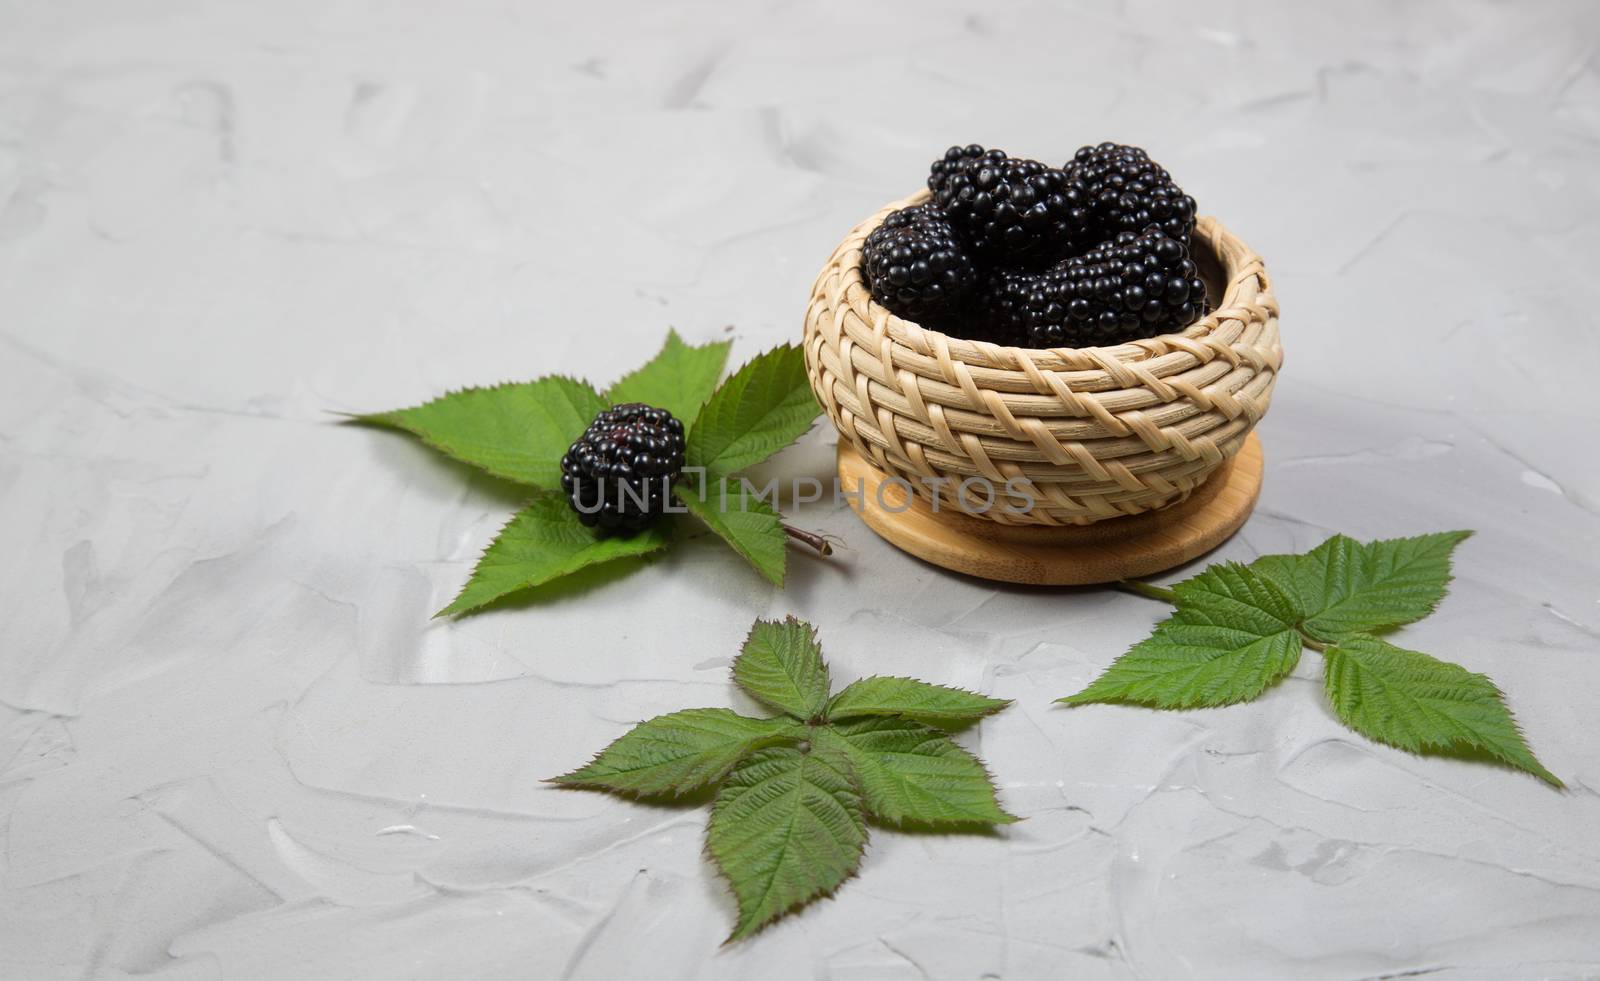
{"points": [[232, 745]]}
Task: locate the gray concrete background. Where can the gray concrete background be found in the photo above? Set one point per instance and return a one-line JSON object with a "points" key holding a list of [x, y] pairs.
{"points": [[233, 744]]}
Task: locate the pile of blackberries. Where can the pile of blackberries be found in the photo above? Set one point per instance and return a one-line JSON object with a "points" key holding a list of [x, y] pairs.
{"points": [[1093, 253]]}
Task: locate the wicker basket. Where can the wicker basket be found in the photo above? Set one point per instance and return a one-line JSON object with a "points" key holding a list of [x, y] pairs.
{"points": [[1093, 433]]}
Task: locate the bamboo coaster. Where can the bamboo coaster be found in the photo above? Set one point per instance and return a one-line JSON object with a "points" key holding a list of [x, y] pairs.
{"points": [[1068, 555]]}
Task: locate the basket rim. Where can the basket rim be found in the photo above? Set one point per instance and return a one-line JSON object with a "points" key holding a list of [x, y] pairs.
{"points": [[1234, 259]]}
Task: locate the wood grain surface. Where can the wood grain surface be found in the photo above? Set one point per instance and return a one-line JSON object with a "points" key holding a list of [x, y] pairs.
{"points": [[1117, 548]]}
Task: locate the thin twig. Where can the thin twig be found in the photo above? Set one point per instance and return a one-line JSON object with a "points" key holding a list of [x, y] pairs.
{"points": [[810, 539], [1147, 590]]}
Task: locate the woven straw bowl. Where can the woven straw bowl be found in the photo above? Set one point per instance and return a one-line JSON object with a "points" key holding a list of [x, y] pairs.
{"points": [[1094, 432]]}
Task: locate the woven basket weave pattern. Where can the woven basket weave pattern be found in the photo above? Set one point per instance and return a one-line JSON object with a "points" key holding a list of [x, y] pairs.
{"points": [[1099, 432]]}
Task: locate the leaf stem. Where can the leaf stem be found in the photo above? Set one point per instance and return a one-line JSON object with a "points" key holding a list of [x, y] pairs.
{"points": [[1309, 640], [810, 539], [1147, 590]]}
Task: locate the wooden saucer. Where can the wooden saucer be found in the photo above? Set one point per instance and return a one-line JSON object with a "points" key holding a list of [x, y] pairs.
{"points": [[1074, 555]]}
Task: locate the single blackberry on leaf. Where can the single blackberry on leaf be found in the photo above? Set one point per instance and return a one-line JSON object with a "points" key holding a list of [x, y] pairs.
{"points": [[1126, 191], [1130, 287], [1011, 210], [618, 475], [918, 267]]}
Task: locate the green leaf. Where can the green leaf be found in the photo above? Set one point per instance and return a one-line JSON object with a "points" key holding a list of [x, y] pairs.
{"points": [[781, 664], [912, 774], [1344, 586], [934, 705], [679, 379], [788, 823], [765, 406], [1232, 635], [677, 753], [1419, 703], [749, 525], [518, 431], [785, 829], [542, 542]]}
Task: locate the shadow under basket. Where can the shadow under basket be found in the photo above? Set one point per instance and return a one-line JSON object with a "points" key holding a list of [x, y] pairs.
{"points": [[1065, 466]]}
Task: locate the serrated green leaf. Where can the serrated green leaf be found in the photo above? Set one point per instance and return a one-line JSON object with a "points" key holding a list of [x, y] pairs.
{"points": [[788, 824], [680, 752], [748, 524], [1282, 570], [1231, 593], [785, 829], [907, 698], [765, 406], [518, 431], [912, 774], [1419, 703], [1232, 635], [679, 379], [542, 542], [1344, 586], [781, 664]]}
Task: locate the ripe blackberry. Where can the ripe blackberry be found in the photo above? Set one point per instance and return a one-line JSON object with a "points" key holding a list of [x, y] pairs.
{"points": [[1130, 287], [1010, 210], [618, 475], [1126, 191], [1011, 299], [918, 267]]}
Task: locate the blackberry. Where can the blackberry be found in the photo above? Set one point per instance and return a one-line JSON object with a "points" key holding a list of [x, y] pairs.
{"points": [[1010, 210], [918, 267], [618, 475], [1130, 287], [1126, 191], [1011, 299]]}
